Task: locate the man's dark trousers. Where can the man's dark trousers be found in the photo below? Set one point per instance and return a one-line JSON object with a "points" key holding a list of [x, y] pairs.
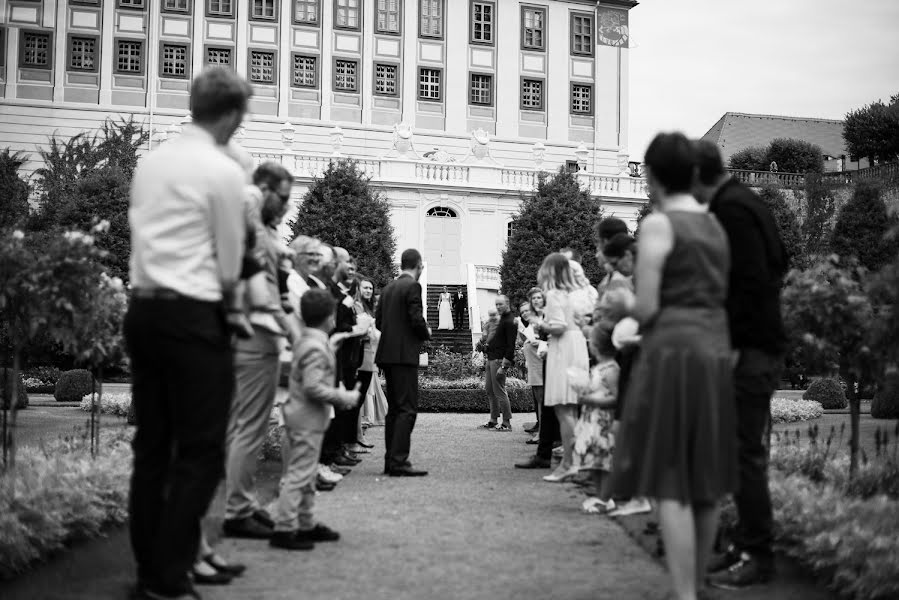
{"points": [[182, 383], [755, 379], [549, 432], [402, 409]]}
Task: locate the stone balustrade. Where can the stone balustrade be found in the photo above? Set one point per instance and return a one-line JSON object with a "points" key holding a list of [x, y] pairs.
{"points": [[487, 277]]}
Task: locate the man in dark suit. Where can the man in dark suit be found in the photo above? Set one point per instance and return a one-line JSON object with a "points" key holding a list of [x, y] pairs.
{"points": [[400, 319], [460, 307]]}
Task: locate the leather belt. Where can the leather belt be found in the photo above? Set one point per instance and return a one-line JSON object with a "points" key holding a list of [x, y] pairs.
{"points": [[156, 294]]}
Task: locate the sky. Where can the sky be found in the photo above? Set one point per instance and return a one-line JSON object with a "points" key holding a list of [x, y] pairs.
{"points": [[691, 61]]}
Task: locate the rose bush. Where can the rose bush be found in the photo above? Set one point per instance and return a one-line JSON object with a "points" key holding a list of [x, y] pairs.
{"points": [[115, 403]]}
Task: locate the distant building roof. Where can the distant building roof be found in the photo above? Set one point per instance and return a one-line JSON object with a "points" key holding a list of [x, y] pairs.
{"points": [[735, 131]]}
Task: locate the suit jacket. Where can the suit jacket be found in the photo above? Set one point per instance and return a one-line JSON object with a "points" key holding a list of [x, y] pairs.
{"points": [[312, 390], [400, 320], [502, 344], [460, 303]]}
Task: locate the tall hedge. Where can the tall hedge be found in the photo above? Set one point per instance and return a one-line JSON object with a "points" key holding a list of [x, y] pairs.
{"points": [[343, 209], [787, 223], [861, 228], [560, 214]]}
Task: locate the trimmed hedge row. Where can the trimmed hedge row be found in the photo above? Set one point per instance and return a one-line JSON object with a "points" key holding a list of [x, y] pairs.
{"points": [[73, 385], [470, 401], [828, 392]]}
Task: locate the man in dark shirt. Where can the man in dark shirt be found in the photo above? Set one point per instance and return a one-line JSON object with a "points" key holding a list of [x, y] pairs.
{"points": [[758, 264], [500, 356]]}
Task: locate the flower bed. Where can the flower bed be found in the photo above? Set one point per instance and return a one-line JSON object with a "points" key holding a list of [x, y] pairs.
{"points": [[789, 410], [59, 495], [114, 403]]}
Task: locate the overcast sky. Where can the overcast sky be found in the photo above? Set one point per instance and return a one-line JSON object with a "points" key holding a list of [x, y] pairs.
{"points": [[691, 61]]}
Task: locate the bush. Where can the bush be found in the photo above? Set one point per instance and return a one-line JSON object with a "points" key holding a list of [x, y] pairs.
{"points": [[886, 401], [73, 385], [21, 390], [795, 156], [58, 495], [471, 400], [788, 410], [116, 403], [466, 383], [450, 365], [751, 158], [861, 229], [41, 380], [828, 392]]}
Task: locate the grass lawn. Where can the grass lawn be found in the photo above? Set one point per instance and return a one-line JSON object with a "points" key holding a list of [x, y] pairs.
{"points": [[867, 427]]}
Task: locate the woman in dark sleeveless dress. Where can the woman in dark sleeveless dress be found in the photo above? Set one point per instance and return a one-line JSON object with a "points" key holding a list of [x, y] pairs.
{"points": [[677, 441]]}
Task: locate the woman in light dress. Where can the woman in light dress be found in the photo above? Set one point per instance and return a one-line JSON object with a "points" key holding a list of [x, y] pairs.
{"points": [[445, 308], [563, 319], [374, 407]]}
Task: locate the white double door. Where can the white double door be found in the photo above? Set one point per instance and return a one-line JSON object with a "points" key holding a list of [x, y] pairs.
{"points": [[443, 250]]}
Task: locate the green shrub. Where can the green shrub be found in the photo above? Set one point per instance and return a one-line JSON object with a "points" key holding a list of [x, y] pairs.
{"points": [[73, 385], [795, 156], [465, 383], [470, 401], [751, 158], [21, 390], [789, 410], [828, 392], [113, 403], [41, 380], [886, 401]]}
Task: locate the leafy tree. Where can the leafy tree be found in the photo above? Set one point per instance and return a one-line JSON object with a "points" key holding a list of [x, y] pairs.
{"points": [[751, 158], [343, 209], [873, 130], [795, 156], [787, 223], [861, 229], [817, 216], [560, 214], [828, 311], [13, 190]]}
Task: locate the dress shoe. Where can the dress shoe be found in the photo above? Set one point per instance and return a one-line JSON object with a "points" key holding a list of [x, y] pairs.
{"points": [[357, 449], [216, 577], [406, 472], [324, 486], [535, 462], [146, 592], [287, 540], [248, 528], [340, 470], [319, 533], [535, 439], [533, 429], [364, 445], [343, 461], [350, 454], [263, 517]]}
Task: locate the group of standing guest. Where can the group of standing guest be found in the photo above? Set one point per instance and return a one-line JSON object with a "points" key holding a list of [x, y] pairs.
{"points": [[217, 299], [687, 343]]}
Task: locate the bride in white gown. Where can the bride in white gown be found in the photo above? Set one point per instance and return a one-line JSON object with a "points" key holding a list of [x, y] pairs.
{"points": [[445, 315]]}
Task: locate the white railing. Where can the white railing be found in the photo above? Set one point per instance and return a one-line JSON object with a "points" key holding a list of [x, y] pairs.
{"points": [[487, 277], [455, 175]]}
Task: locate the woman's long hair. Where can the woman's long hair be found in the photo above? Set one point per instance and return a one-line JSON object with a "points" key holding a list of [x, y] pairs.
{"points": [[555, 274], [367, 305]]}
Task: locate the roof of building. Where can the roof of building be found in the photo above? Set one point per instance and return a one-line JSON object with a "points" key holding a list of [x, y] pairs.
{"points": [[735, 131]]}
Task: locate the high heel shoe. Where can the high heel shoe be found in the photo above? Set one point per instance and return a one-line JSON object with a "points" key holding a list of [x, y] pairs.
{"points": [[559, 475], [219, 564], [216, 577]]}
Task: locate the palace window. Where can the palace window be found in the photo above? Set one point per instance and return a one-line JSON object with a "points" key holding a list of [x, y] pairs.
{"points": [[532, 94], [429, 84], [2, 46], [582, 34], [82, 53], [482, 19], [220, 8], [264, 9], [346, 75], [385, 79], [175, 5], [510, 229], [533, 28], [35, 50], [129, 56], [571, 166], [218, 56], [304, 74], [388, 16], [132, 4], [581, 99], [306, 11], [442, 211], [174, 61], [430, 18], [481, 89], [346, 14], [262, 66]]}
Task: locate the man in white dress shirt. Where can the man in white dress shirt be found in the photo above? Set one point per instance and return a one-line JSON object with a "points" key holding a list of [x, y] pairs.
{"points": [[187, 238]]}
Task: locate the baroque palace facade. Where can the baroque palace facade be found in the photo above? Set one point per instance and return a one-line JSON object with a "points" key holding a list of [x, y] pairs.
{"points": [[451, 106]]}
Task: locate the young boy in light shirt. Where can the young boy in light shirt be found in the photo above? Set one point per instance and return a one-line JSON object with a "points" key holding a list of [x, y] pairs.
{"points": [[307, 412]]}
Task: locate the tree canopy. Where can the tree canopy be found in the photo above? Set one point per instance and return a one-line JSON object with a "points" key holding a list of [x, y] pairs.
{"points": [[861, 229], [343, 209], [560, 214], [872, 131], [791, 155]]}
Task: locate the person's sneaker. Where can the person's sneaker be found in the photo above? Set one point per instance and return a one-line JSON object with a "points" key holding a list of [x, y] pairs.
{"points": [[503, 427], [488, 425], [319, 533], [746, 572], [288, 540], [724, 561], [634, 506], [328, 475], [535, 462], [247, 528]]}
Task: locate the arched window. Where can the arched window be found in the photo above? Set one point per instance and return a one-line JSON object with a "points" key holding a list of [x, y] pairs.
{"points": [[442, 211]]}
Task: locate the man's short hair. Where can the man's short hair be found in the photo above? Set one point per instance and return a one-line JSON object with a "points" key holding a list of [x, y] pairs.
{"points": [[271, 174], [316, 306], [618, 245], [671, 160], [215, 92], [571, 253], [711, 165], [410, 259], [304, 243], [608, 227]]}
